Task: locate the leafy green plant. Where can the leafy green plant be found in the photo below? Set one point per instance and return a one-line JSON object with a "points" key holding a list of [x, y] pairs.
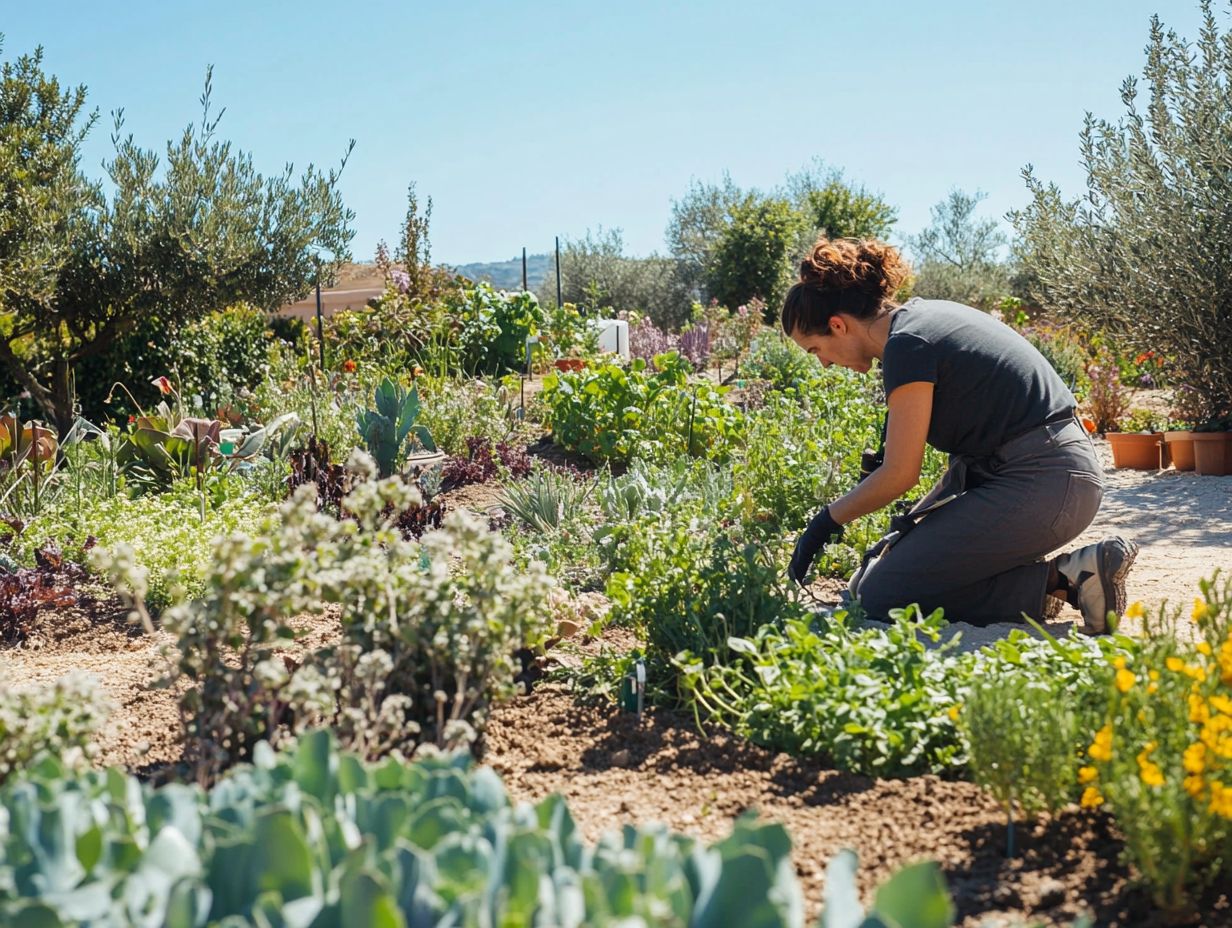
{"points": [[872, 700], [914, 897], [688, 581], [775, 358], [614, 413], [315, 836], [493, 327], [390, 431], [60, 719]]}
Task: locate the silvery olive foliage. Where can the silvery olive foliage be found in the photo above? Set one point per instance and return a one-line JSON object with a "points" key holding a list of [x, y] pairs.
{"points": [[428, 628], [60, 718], [1147, 251]]}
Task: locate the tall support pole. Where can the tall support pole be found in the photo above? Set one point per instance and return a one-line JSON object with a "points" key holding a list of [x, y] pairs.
{"points": [[559, 301], [320, 324], [524, 287]]}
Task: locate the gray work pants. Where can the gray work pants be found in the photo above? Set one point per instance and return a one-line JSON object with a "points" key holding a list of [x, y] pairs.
{"points": [[972, 546]]}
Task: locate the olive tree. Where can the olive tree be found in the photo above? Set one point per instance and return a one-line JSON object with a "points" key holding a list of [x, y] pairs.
{"points": [[176, 238], [959, 256], [1147, 252]]}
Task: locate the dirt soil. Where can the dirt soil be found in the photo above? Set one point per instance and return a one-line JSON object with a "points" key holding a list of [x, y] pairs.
{"points": [[614, 769]]}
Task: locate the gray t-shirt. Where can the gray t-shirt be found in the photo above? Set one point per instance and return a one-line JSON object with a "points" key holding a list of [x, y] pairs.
{"points": [[991, 384]]}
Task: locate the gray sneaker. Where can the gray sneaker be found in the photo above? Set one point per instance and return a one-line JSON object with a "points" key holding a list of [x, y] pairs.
{"points": [[1097, 572]]}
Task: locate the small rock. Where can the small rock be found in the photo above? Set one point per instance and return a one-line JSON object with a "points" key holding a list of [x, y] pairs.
{"points": [[567, 628], [620, 758], [1051, 893]]}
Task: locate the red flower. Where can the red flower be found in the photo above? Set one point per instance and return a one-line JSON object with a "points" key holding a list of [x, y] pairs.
{"points": [[163, 384], [349, 366], [132, 419]]}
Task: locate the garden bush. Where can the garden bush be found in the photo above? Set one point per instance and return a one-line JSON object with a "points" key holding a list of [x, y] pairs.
{"points": [[60, 719], [429, 628], [613, 413], [775, 358], [1161, 762]]}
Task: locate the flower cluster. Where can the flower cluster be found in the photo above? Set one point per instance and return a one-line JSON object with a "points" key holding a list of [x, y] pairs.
{"points": [[1162, 761]]}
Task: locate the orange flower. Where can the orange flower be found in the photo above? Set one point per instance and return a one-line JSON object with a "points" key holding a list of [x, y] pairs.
{"points": [[163, 384], [349, 366]]}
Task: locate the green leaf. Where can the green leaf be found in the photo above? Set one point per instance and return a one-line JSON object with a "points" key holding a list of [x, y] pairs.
{"points": [[916, 897]]}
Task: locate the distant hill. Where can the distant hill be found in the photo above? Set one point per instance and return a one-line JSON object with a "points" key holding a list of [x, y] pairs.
{"points": [[507, 275]]}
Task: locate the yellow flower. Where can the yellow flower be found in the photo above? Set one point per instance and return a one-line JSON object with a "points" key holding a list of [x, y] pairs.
{"points": [[1101, 747], [1175, 664], [1091, 797], [1087, 774], [1125, 680], [1204, 649], [1153, 674], [1152, 775], [1225, 662], [1194, 786], [1135, 610], [1221, 799], [1216, 734], [1119, 662], [953, 711], [1200, 610], [1198, 711], [1221, 704], [1194, 758]]}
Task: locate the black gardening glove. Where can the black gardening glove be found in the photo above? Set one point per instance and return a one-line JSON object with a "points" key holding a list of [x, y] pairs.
{"points": [[820, 532]]}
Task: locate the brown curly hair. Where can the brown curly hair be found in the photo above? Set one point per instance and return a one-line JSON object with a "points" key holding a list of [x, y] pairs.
{"points": [[854, 277]]}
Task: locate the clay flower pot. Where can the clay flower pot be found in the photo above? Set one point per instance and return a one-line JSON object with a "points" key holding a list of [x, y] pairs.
{"points": [[1136, 450], [570, 364], [1180, 447], [1213, 453]]}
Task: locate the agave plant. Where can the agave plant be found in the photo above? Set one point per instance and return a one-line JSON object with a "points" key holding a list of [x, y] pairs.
{"points": [[389, 432]]}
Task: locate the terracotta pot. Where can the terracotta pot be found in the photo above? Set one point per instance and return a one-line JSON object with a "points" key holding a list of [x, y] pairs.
{"points": [[569, 364], [1213, 453], [1180, 447], [1136, 450]]}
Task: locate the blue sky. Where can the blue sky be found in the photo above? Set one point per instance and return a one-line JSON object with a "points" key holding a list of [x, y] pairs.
{"points": [[527, 120]]}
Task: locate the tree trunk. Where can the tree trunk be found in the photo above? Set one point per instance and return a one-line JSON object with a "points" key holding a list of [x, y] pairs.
{"points": [[62, 412]]}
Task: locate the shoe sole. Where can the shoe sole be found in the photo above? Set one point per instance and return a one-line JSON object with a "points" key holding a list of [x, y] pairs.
{"points": [[1112, 578]]}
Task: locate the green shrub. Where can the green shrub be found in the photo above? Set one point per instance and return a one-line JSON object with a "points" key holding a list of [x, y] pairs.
{"points": [[688, 580], [1142, 251], [775, 358], [212, 358], [493, 328], [60, 719], [614, 413], [1028, 714], [429, 628]]}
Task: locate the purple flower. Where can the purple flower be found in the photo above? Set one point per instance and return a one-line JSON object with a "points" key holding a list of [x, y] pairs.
{"points": [[401, 280]]}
